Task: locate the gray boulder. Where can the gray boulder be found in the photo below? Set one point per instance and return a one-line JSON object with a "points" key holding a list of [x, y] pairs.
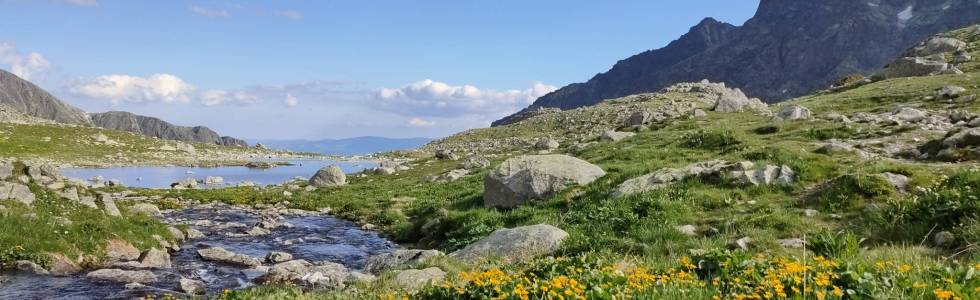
{"points": [[793, 112], [155, 258], [117, 250], [122, 276], [963, 138], [782, 175], [6, 170], [221, 255], [31, 267], [276, 257], [949, 92], [398, 259], [475, 162], [416, 279], [615, 136], [515, 244], [526, 178], [730, 101], [909, 114], [17, 192], [546, 144], [186, 183], [329, 177], [301, 272], [639, 118], [446, 155], [192, 287], [145, 209]]}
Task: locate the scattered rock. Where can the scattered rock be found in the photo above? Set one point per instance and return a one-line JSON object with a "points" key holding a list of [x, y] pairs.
{"points": [[276, 257], [639, 118], [224, 256], [793, 112], [415, 279], [742, 243], [525, 178], [791, 243], [446, 155], [192, 287], [117, 250], [398, 259], [615, 136], [899, 181], [6, 170], [909, 114], [301, 272], [176, 233], [475, 162], [782, 175], [730, 101], [450, 176], [18, 192], [184, 184], [810, 212], [122, 276], [949, 92], [193, 234], [213, 180], [699, 113], [666, 176], [329, 177], [29, 266], [515, 244], [61, 265], [146, 209], [546, 144], [154, 258], [688, 230]]}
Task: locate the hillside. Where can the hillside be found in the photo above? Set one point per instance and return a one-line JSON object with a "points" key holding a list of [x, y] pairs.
{"points": [[153, 127], [30, 99], [789, 48], [876, 178]]}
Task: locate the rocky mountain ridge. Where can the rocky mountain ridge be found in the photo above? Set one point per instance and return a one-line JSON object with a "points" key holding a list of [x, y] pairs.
{"points": [[789, 48], [150, 126], [32, 100]]}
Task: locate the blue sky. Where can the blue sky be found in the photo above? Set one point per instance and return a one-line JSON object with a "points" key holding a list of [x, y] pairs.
{"points": [[330, 69]]}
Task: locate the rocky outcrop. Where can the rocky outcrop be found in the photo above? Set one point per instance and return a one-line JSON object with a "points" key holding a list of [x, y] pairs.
{"points": [[18, 192], [664, 177], [400, 258], [31, 100], [329, 177], [789, 48], [515, 244], [150, 126], [416, 279], [304, 273], [526, 178]]}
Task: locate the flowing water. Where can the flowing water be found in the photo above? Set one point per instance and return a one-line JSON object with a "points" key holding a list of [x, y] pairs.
{"points": [[314, 238], [162, 177]]}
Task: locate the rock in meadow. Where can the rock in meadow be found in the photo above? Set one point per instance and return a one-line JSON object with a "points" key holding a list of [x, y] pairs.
{"points": [[329, 177], [546, 144], [398, 259], [615, 136], [526, 178], [17, 192], [515, 244], [145, 209], [793, 112], [415, 279]]}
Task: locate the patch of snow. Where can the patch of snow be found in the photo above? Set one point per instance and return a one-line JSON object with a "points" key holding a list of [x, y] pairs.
{"points": [[904, 16]]}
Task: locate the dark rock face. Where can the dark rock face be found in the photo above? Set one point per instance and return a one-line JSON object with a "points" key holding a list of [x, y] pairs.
{"points": [[789, 48], [150, 126], [30, 99]]}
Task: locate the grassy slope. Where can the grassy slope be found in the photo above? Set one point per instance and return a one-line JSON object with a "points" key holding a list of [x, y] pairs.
{"points": [[642, 226]]}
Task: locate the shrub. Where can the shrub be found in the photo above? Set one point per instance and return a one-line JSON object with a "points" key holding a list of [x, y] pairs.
{"points": [[854, 191], [841, 244], [724, 140]]}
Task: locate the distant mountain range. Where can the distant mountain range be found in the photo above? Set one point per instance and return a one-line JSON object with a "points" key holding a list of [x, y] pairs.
{"points": [[350, 146], [789, 48], [32, 100]]}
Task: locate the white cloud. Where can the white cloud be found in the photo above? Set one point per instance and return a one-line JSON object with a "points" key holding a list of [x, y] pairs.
{"points": [[164, 88], [289, 14], [210, 13], [291, 100], [419, 122], [217, 97], [83, 2], [433, 98], [23, 65]]}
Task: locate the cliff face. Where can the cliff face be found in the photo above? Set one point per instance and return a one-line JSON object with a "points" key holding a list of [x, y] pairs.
{"points": [[154, 127], [789, 48], [24, 96]]}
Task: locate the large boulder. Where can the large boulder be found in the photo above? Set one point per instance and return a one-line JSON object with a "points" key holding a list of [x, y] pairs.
{"points": [[415, 279], [615, 136], [301, 272], [398, 259], [639, 118], [949, 92], [219, 254], [793, 112], [735, 101], [155, 258], [515, 244], [474, 162], [526, 178], [122, 276], [145, 209], [329, 177], [18, 192]]}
